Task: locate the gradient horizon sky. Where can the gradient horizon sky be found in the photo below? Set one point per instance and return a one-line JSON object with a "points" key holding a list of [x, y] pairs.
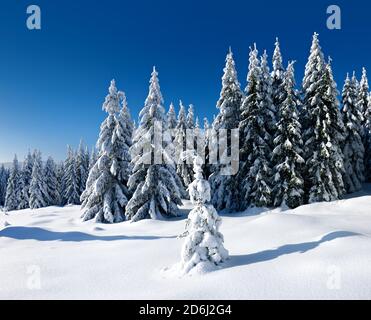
{"points": [[53, 81]]}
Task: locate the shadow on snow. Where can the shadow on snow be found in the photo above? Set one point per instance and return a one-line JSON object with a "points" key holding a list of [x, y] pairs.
{"points": [[33, 233], [266, 255]]}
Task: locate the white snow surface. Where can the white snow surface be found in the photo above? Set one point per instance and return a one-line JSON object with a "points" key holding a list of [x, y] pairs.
{"points": [[317, 251]]}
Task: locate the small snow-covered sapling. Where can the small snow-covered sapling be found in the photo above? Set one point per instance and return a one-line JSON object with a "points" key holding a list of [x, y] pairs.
{"points": [[203, 246]]}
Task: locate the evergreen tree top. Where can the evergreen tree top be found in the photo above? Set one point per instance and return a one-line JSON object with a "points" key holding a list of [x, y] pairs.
{"points": [[364, 81], [171, 110], [254, 68], [181, 115], [190, 117], [349, 93], [328, 79], [206, 123], [289, 79], [49, 162], [15, 163], [81, 147], [264, 64], [277, 61], [153, 109], [346, 82], [230, 83], [354, 80], [112, 101], [230, 73], [315, 64], [197, 123], [154, 95], [124, 111], [171, 116], [253, 61]]}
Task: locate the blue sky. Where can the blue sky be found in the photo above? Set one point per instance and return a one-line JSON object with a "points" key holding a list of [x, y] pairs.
{"points": [[53, 81]]}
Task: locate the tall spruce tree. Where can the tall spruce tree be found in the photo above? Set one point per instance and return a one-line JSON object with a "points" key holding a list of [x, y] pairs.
{"points": [[288, 183], [106, 194], [207, 166], [183, 169], [171, 117], [51, 183], [70, 179], [353, 148], [362, 99], [4, 175], [38, 189], [61, 183], [367, 140], [13, 190], [26, 178], [190, 117], [82, 167], [256, 121], [224, 184], [23, 201], [122, 141], [156, 193], [278, 72], [323, 130]]}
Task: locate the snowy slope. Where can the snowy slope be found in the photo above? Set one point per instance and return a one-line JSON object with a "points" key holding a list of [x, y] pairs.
{"points": [[313, 252]]}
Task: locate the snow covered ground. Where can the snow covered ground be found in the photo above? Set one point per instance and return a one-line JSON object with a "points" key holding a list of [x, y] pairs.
{"points": [[318, 251]]}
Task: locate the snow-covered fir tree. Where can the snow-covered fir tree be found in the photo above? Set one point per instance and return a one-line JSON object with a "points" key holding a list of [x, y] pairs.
{"points": [[278, 88], [190, 120], [203, 246], [323, 130], [82, 167], [287, 155], [61, 183], [38, 189], [206, 134], [155, 185], [197, 123], [199, 144], [191, 143], [122, 141], [367, 140], [13, 190], [106, 194], [4, 175], [266, 98], [353, 148], [362, 100], [23, 201], [183, 169], [26, 179], [256, 119], [51, 182], [70, 179], [223, 184], [171, 117]]}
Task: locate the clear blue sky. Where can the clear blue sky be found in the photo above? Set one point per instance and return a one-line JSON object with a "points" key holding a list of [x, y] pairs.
{"points": [[53, 81]]}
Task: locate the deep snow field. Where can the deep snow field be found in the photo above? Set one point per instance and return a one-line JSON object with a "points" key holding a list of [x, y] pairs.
{"points": [[318, 251]]}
